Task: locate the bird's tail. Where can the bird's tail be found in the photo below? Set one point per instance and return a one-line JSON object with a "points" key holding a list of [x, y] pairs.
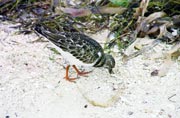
{"points": [[38, 28], [43, 30], [47, 32]]}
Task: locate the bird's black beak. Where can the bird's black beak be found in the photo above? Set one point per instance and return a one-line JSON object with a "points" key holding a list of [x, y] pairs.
{"points": [[110, 71]]}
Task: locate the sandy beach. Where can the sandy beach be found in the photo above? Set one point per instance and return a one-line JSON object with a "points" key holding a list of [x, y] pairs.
{"points": [[32, 83]]}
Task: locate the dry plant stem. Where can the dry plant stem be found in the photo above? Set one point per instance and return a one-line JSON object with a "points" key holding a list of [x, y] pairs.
{"points": [[144, 49], [144, 5], [168, 62], [147, 20], [85, 12], [140, 11]]}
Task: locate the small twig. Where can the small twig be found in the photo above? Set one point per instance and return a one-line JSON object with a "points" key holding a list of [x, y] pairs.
{"points": [[40, 39], [169, 98], [144, 49], [1, 40]]}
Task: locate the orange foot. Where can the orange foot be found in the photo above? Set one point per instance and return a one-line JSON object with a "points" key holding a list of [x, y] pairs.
{"points": [[80, 73], [71, 79], [77, 71]]}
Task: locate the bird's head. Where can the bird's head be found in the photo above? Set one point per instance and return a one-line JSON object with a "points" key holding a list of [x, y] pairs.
{"points": [[109, 63]]}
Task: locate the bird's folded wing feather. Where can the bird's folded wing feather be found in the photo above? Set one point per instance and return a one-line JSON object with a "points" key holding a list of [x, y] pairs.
{"points": [[79, 45]]}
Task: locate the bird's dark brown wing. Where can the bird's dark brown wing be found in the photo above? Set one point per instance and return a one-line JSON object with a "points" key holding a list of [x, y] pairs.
{"points": [[79, 45]]}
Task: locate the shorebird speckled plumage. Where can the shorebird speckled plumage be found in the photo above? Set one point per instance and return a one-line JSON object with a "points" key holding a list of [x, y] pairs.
{"points": [[77, 49]]}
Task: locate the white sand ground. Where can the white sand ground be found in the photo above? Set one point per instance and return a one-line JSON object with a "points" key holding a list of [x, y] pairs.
{"points": [[32, 84]]}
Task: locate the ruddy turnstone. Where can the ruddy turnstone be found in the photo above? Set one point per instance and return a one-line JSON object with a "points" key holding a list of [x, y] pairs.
{"points": [[77, 49]]}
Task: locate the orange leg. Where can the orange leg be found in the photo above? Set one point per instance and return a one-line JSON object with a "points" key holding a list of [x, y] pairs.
{"points": [[79, 72], [67, 75]]}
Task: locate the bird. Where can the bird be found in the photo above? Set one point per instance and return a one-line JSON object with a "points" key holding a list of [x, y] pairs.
{"points": [[77, 49]]}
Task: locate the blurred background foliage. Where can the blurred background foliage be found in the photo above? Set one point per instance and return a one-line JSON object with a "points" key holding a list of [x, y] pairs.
{"points": [[121, 17]]}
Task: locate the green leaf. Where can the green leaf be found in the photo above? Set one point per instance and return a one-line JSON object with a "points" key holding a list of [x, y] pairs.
{"points": [[123, 3]]}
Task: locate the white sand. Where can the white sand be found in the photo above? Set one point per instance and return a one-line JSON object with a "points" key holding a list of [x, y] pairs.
{"points": [[32, 85]]}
